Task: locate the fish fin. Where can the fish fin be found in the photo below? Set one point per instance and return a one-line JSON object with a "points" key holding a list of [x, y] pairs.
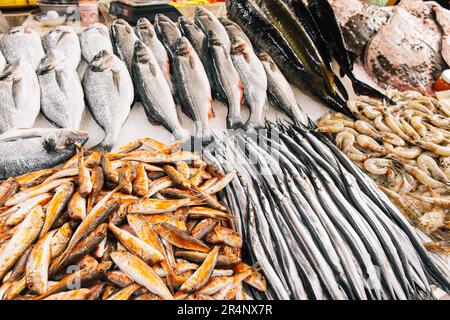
{"points": [[362, 88], [49, 145], [341, 88]]}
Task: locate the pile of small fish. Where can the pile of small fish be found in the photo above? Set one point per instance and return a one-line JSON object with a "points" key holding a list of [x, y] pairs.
{"points": [[141, 223], [404, 148], [320, 228]]}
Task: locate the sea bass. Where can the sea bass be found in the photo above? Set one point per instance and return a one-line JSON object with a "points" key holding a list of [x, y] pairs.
{"points": [[123, 39], [193, 89], [253, 77], [19, 96], [22, 43], [167, 32], [194, 34], [25, 150], [147, 34], [280, 92], [109, 94], [62, 98], [226, 78], [209, 22], [154, 91], [65, 40]]}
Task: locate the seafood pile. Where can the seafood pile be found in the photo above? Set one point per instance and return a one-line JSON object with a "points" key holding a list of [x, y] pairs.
{"points": [[144, 222], [405, 149], [318, 226]]}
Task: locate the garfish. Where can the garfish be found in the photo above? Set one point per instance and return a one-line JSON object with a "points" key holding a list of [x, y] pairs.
{"points": [[27, 232], [253, 77], [279, 90], [123, 39], [167, 32], [147, 34], [226, 79], [109, 93], [19, 96], [65, 40], [154, 91], [193, 88], [26, 150], [22, 43], [141, 273], [62, 98]]}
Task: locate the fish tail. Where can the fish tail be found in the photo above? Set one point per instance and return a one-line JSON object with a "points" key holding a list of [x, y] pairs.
{"points": [[362, 88]]}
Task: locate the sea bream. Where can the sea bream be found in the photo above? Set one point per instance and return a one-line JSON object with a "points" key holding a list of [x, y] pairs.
{"points": [[25, 150], [22, 43], [95, 39], [253, 77], [65, 40], [147, 34], [19, 96], [154, 92], [123, 39], [109, 93], [279, 90], [167, 32], [192, 88], [62, 98], [227, 81]]}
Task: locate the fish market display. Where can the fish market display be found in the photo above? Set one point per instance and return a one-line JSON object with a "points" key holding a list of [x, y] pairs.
{"points": [[22, 43], [146, 33], [317, 226], [154, 91], [192, 88], [109, 93], [65, 40], [62, 98], [19, 96], [404, 149], [123, 39], [25, 150], [141, 223]]}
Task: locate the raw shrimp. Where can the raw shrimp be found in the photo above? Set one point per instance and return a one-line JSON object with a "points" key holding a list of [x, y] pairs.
{"points": [[378, 166], [430, 166], [367, 142], [380, 125], [402, 152]]}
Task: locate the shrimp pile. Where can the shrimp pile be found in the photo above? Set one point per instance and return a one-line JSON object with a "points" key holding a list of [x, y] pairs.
{"points": [[143, 222], [405, 148]]}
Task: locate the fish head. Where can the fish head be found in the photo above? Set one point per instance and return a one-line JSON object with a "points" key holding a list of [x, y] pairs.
{"points": [[203, 13], [226, 22], [213, 39], [120, 26], [265, 58], [11, 72], [50, 62], [163, 19], [182, 47], [141, 52], [63, 140], [102, 61], [98, 27], [239, 46], [16, 30], [143, 25]]}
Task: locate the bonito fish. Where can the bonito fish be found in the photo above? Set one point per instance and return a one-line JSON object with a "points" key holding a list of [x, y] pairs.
{"points": [[25, 150], [19, 96], [109, 93], [154, 91], [22, 43]]}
